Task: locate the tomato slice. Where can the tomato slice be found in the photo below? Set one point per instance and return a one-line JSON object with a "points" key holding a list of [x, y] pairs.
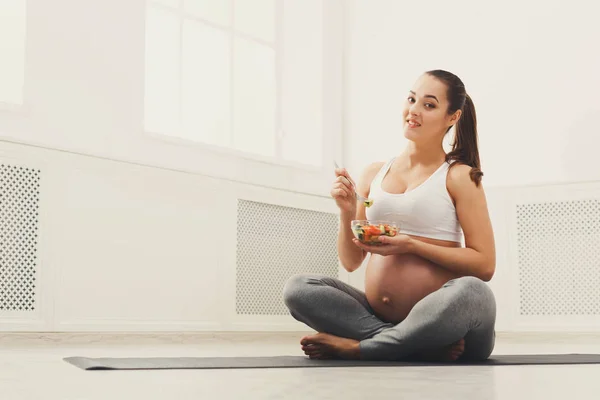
{"points": [[372, 230]]}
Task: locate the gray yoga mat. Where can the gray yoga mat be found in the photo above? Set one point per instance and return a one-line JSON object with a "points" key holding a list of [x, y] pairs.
{"points": [[304, 362]]}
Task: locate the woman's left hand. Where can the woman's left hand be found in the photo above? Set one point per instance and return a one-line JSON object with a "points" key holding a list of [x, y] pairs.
{"points": [[399, 244]]}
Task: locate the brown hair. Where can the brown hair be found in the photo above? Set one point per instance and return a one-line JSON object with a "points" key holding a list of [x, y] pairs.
{"points": [[464, 148]]}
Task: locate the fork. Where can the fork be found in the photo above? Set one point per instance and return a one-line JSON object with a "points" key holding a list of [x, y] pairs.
{"points": [[365, 201]]}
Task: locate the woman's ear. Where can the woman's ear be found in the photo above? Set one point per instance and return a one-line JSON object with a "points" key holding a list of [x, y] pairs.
{"points": [[455, 117]]}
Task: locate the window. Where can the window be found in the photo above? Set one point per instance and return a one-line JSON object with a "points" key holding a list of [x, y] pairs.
{"points": [[237, 74], [12, 48]]}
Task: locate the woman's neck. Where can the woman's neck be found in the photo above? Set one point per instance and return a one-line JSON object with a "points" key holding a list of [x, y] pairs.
{"points": [[415, 154]]}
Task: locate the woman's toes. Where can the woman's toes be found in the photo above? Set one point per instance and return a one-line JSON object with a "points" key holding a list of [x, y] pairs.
{"points": [[311, 350]]}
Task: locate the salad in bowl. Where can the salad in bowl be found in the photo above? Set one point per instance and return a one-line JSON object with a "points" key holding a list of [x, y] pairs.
{"points": [[368, 232]]}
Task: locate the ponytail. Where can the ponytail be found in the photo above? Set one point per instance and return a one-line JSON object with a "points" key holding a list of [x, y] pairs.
{"points": [[465, 147]]}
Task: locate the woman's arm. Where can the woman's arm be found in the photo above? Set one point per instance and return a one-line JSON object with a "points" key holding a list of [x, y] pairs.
{"points": [[478, 257], [350, 255], [460, 260]]}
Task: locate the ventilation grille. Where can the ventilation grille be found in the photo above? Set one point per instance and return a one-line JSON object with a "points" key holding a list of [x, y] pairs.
{"points": [[274, 243], [559, 257], [19, 203]]}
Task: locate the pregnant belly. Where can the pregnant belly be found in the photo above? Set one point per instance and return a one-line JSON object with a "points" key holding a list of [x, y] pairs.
{"points": [[394, 284]]}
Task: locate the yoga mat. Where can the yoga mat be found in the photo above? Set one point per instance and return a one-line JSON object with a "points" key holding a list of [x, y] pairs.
{"points": [[305, 362]]}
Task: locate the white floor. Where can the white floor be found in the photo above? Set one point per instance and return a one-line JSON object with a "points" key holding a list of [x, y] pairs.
{"points": [[31, 367]]}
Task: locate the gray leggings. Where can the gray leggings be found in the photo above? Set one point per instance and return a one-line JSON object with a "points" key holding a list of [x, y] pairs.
{"points": [[462, 308]]}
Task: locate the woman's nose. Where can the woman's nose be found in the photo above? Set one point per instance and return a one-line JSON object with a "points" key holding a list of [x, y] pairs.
{"points": [[413, 109]]}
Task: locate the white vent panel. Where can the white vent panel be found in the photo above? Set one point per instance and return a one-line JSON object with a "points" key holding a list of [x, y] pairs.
{"points": [[274, 243], [559, 258], [19, 203]]}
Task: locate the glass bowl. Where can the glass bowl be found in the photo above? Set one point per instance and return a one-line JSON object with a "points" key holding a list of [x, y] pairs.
{"points": [[368, 232]]}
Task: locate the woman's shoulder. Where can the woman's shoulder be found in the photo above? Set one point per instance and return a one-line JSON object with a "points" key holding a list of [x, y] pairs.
{"points": [[373, 168], [459, 180], [368, 174], [458, 171]]}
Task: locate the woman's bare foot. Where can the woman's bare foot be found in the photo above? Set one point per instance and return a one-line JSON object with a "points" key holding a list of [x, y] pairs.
{"points": [[445, 354], [324, 346]]}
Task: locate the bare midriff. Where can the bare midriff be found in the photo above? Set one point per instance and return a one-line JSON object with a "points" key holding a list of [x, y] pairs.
{"points": [[394, 284]]}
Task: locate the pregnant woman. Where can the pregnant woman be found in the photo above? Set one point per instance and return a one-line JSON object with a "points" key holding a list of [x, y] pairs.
{"points": [[425, 294]]}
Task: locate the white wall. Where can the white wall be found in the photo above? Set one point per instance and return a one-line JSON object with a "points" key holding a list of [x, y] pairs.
{"points": [[121, 209], [84, 93], [122, 247], [531, 68], [123, 244]]}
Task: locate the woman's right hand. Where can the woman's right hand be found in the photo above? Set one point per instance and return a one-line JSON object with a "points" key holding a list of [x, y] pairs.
{"points": [[343, 192]]}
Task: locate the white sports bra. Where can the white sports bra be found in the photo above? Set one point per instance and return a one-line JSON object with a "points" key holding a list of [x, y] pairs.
{"points": [[426, 210]]}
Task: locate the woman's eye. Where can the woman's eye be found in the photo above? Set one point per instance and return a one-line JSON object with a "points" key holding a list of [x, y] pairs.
{"points": [[411, 99], [430, 105]]}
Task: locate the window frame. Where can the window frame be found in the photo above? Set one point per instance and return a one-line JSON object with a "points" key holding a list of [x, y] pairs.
{"points": [[230, 164], [230, 30], [21, 108]]}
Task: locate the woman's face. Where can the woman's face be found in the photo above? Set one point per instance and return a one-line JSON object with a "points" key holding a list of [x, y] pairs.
{"points": [[425, 111]]}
